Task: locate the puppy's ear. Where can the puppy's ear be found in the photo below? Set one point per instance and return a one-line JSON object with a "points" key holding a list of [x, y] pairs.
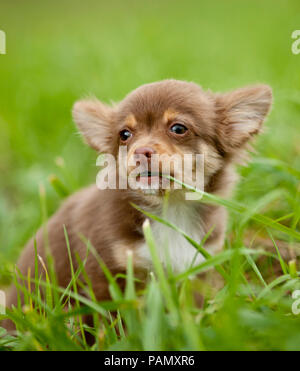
{"points": [[241, 113], [95, 122]]}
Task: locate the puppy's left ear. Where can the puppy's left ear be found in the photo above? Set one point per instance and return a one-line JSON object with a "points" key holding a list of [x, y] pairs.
{"points": [[240, 115]]}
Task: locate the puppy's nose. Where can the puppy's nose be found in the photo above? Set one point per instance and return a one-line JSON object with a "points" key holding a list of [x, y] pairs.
{"points": [[146, 151]]}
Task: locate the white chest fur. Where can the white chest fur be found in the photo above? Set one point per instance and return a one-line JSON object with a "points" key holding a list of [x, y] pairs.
{"points": [[172, 247]]}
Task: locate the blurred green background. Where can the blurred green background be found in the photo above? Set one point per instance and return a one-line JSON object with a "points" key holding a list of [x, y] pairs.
{"points": [[59, 51]]}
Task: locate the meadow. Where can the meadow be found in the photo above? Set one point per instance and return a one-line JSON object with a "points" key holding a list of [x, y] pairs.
{"points": [[60, 51]]}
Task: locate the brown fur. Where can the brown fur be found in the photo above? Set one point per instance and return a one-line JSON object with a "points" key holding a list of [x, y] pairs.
{"points": [[219, 125]]}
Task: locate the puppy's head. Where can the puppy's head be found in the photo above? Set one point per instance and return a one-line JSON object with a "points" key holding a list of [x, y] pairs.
{"points": [[170, 119]]}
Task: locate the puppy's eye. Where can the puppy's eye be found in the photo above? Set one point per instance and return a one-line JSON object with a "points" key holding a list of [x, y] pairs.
{"points": [[125, 135], [178, 129]]}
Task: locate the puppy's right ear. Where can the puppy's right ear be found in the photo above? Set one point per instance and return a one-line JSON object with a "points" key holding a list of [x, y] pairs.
{"points": [[94, 121]]}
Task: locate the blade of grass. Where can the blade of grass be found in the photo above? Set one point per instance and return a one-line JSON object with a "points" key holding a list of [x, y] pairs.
{"points": [[238, 208], [256, 270], [114, 288], [282, 263], [159, 269], [74, 284]]}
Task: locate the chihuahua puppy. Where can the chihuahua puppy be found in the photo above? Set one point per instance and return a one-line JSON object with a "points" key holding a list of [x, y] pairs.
{"points": [[168, 117]]}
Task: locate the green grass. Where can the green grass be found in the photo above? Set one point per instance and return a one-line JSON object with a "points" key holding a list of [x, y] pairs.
{"points": [[58, 52]]}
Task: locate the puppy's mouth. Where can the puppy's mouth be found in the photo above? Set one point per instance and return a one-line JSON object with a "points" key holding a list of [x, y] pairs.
{"points": [[150, 177]]}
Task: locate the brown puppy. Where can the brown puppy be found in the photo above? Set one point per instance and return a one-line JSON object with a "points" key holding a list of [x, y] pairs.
{"points": [[168, 117]]}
